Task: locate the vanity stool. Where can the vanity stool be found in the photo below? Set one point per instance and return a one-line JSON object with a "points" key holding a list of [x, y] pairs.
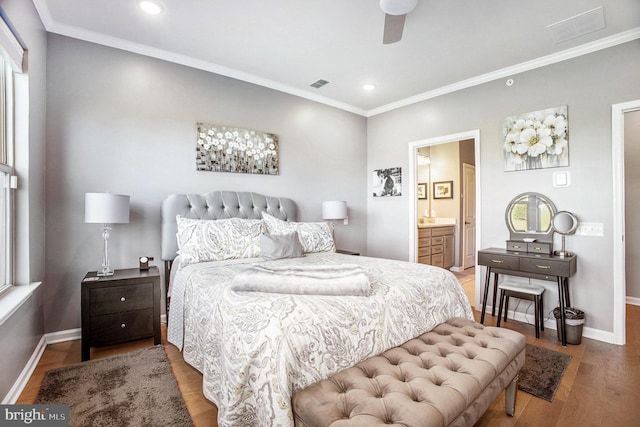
{"points": [[522, 291]]}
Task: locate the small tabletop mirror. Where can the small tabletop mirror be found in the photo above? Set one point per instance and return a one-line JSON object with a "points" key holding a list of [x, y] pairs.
{"points": [[529, 216], [564, 223]]}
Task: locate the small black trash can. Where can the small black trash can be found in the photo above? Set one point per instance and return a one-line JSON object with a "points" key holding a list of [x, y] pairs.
{"points": [[574, 321]]}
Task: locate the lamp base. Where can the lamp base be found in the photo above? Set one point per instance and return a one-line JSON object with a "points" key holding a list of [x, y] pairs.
{"points": [[105, 271], [562, 253]]}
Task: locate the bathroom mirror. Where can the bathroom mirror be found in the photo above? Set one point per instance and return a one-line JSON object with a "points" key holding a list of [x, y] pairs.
{"points": [[529, 216], [564, 223]]}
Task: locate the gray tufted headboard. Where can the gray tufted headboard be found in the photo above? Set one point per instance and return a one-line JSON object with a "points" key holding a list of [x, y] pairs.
{"points": [[218, 205]]}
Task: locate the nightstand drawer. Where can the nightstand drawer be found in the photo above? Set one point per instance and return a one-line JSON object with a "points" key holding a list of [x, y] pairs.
{"points": [[545, 266], [111, 328], [499, 261], [117, 299]]}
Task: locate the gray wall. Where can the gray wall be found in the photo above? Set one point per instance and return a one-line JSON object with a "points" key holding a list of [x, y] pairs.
{"points": [[125, 123], [589, 85], [632, 202], [20, 334]]}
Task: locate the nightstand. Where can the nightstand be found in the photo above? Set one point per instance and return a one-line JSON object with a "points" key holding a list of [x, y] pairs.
{"points": [[118, 308], [343, 251]]}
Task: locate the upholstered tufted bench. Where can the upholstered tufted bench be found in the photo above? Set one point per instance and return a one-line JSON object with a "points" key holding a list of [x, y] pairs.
{"points": [[446, 377]]}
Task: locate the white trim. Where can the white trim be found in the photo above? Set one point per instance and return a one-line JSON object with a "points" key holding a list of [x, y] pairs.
{"points": [[633, 301], [617, 156], [413, 188], [13, 299], [12, 50], [27, 371], [64, 336], [70, 31]]}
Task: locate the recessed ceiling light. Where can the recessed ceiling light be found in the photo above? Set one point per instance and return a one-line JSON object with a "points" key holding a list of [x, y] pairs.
{"points": [[369, 86], [152, 7]]}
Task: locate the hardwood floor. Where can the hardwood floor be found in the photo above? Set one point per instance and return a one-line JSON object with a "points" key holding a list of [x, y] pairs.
{"points": [[599, 388]]}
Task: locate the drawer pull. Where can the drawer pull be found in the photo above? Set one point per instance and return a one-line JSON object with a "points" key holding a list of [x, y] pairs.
{"points": [[497, 261], [537, 248], [123, 299], [545, 267], [123, 326], [516, 246]]}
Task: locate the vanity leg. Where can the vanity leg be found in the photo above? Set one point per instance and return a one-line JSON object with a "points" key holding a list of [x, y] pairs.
{"points": [[495, 292], [486, 294], [563, 329]]}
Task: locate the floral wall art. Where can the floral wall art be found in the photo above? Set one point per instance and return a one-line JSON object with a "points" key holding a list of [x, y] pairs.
{"points": [[229, 149], [536, 140]]}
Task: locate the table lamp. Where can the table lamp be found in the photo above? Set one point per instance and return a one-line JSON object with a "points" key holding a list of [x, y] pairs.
{"points": [[334, 210], [105, 209]]}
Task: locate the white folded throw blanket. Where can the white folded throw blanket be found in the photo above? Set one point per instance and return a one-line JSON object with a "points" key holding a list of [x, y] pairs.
{"points": [[344, 279]]}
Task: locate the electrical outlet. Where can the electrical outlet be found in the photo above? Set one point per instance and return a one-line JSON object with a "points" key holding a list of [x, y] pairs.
{"points": [[590, 229]]}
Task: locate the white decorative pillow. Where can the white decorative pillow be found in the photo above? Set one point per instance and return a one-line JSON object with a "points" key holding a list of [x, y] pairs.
{"points": [[314, 236], [216, 240]]}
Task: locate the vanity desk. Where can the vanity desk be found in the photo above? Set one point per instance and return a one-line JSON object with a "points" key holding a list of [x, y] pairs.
{"points": [[532, 265], [532, 219]]}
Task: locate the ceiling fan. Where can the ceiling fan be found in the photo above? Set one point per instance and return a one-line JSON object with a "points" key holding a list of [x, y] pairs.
{"points": [[395, 13]]}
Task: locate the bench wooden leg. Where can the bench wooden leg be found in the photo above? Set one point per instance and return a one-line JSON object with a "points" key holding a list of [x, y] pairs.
{"points": [[510, 396]]}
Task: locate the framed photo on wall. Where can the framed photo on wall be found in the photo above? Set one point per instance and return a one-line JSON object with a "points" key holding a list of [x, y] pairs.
{"points": [[422, 191], [443, 190]]}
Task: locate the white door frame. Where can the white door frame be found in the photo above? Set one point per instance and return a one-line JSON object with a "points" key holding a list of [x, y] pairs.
{"points": [[413, 190], [617, 155]]}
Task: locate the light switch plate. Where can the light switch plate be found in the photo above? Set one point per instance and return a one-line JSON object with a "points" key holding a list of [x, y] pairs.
{"points": [[561, 179], [590, 229]]}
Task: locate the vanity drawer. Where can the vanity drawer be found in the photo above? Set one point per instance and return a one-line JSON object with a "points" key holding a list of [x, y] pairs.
{"points": [[424, 232], [437, 260], [424, 241], [499, 261], [437, 241], [546, 266], [424, 251], [436, 249], [539, 247], [443, 231], [424, 259], [516, 245]]}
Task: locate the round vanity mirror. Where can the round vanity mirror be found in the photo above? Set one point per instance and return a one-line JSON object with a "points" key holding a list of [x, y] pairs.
{"points": [[564, 223], [529, 216]]}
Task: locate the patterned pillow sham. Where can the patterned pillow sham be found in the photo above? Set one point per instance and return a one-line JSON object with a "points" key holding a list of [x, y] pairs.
{"points": [[314, 236], [216, 240]]}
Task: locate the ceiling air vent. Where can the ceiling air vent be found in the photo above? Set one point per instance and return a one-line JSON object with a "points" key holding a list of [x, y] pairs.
{"points": [[579, 25], [319, 83]]}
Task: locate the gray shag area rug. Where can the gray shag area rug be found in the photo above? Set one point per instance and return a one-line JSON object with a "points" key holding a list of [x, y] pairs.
{"points": [[542, 371], [130, 389]]}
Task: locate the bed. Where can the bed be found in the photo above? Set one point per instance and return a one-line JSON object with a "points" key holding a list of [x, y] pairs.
{"points": [[256, 347]]}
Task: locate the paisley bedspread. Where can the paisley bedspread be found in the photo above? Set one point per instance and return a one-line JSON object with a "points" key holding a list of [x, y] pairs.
{"points": [[255, 349]]}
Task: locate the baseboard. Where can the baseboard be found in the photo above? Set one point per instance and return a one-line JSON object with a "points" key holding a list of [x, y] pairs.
{"points": [[26, 373], [63, 336], [633, 300], [550, 323]]}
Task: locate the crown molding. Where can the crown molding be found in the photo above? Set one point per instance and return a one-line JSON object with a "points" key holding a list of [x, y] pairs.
{"points": [[114, 42]]}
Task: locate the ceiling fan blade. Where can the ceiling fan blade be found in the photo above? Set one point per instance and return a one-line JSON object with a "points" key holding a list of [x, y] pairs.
{"points": [[393, 26]]}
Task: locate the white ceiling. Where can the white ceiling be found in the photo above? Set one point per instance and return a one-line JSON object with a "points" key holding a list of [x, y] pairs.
{"points": [[289, 44]]}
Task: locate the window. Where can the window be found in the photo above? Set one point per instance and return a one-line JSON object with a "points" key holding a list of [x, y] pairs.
{"points": [[6, 172]]}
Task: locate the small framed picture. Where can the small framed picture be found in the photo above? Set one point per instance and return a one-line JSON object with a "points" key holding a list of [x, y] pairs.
{"points": [[422, 191], [443, 190]]}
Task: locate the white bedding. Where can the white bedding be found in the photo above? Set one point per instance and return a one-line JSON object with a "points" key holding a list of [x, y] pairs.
{"points": [[255, 349]]}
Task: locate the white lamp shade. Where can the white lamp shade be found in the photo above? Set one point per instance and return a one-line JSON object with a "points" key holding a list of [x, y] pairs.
{"points": [[106, 208], [334, 210]]}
